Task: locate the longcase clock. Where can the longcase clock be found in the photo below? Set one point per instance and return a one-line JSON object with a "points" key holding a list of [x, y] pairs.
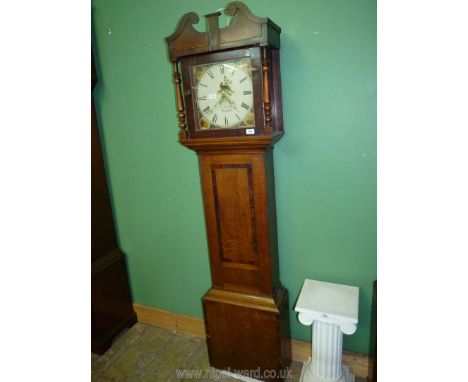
{"points": [[228, 96]]}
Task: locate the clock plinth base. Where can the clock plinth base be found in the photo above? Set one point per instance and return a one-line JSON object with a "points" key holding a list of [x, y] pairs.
{"points": [[248, 333]]}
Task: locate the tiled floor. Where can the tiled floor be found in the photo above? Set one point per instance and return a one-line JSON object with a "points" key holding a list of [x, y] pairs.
{"points": [[153, 354]]}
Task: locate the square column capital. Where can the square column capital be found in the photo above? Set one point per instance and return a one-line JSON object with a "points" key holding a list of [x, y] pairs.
{"points": [[330, 303]]}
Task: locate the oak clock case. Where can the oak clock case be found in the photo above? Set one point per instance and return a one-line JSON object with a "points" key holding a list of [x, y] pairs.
{"points": [[228, 98]]}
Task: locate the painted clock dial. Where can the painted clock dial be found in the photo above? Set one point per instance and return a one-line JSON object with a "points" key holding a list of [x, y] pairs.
{"points": [[224, 94]]}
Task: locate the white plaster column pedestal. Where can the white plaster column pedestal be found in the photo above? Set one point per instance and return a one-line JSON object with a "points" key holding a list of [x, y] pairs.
{"points": [[332, 309]]}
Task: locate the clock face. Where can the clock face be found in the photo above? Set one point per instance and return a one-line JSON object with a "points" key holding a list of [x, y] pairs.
{"points": [[224, 94]]}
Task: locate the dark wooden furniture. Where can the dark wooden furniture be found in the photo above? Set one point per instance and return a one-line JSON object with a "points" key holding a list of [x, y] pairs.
{"points": [[373, 337], [111, 303], [246, 310]]}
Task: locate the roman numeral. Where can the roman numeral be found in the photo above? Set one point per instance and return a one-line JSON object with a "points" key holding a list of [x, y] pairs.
{"points": [[246, 107], [237, 117], [233, 72], [221, 69], [202, 98], [242, 80], [226, 122], [203, 85], [246, 92], [210, 74], [206, 110], [215, 118]]}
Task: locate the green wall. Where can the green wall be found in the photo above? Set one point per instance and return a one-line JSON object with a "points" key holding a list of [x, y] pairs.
{"points": [[325, 165]]}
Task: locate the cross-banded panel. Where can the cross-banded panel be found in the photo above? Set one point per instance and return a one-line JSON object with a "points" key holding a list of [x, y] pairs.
{"points": [[235, 213]]}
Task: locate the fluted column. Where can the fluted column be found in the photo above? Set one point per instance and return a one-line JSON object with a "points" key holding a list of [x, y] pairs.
{"points": [[327, 346], [318, 305]]}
